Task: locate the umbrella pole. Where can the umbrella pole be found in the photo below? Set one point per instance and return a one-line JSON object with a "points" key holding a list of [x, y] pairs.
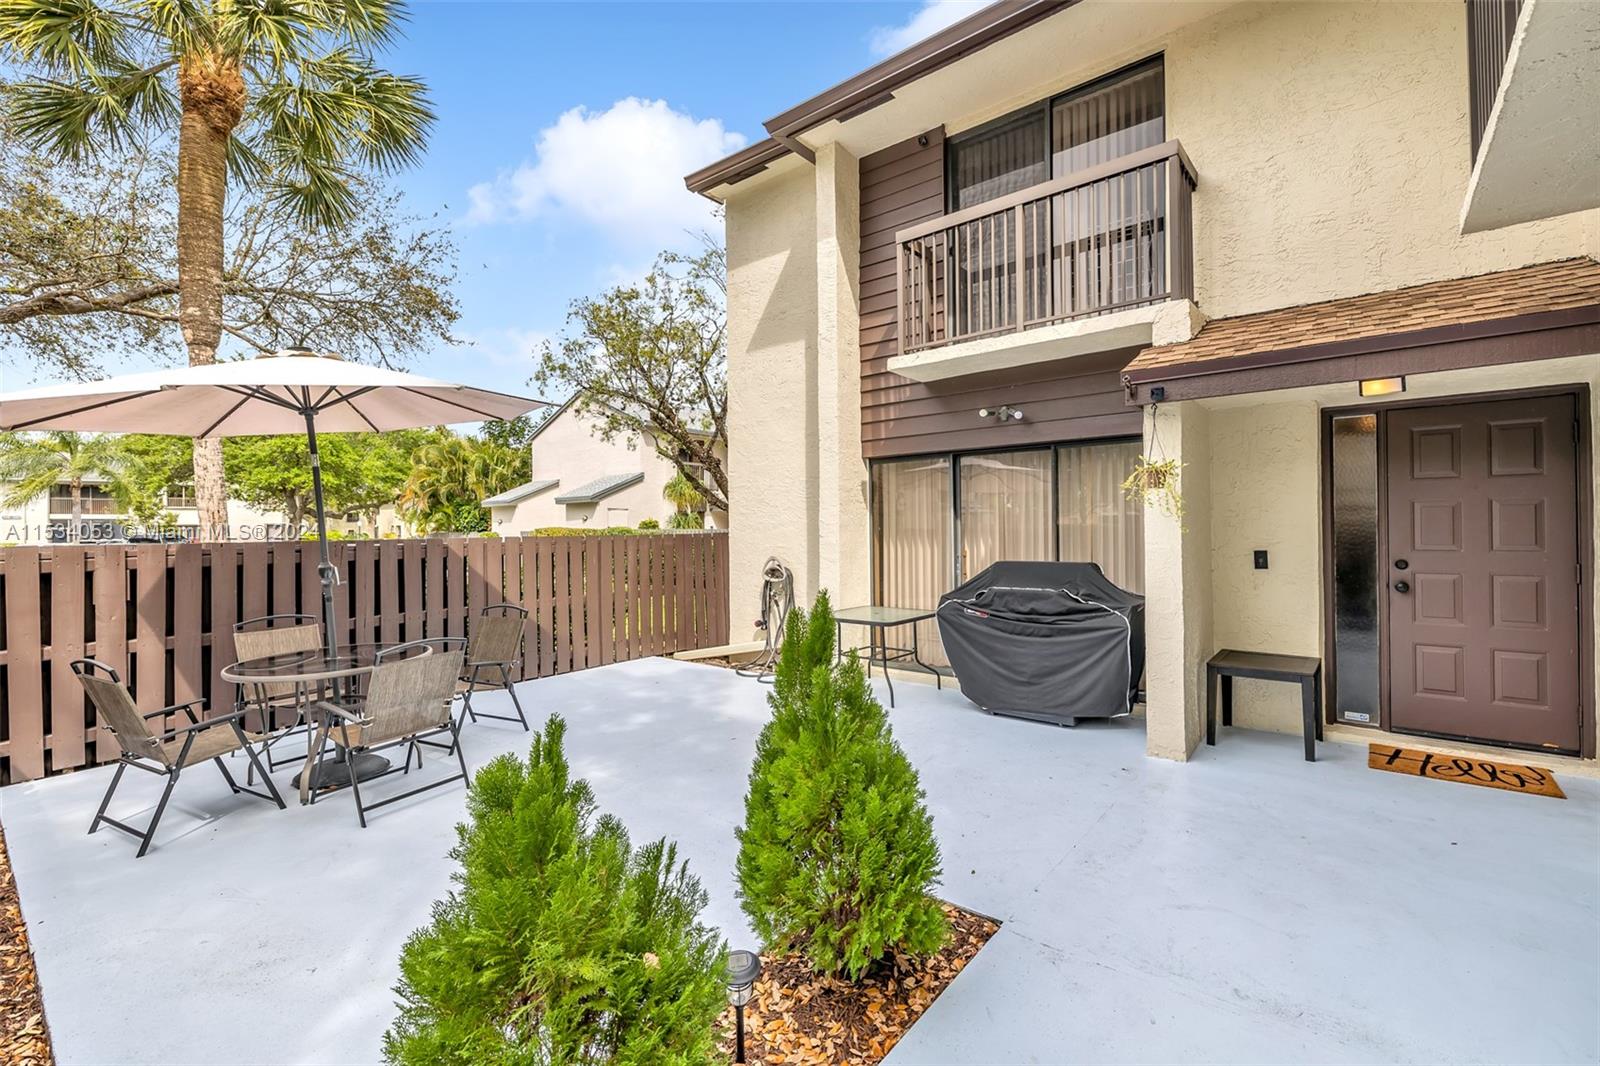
{"points": [[325, 571]]}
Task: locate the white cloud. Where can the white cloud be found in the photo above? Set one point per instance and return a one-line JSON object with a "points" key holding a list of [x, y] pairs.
{"points": [[620, 170], [930, 18], [510, 348]]}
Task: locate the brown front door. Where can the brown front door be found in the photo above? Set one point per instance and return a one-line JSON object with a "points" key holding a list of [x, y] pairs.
{"points": [[1482, 571]]}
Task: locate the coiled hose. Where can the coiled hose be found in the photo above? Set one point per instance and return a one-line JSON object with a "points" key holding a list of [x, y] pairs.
{"points": [[777, 600]]}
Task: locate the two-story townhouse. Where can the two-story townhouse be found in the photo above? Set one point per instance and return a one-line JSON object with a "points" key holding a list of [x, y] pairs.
{"points": [[1335, 259]]}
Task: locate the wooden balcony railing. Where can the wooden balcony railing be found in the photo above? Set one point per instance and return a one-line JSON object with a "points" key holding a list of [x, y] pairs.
{"points": [[1109, 237]]}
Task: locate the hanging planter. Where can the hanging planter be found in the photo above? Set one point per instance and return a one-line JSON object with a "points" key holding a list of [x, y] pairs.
{"points": [[1154, 483]]}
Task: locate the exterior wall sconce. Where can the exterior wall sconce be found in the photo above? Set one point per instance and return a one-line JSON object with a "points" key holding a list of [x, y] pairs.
{"points": [[1382, 386], [1004, 413]]}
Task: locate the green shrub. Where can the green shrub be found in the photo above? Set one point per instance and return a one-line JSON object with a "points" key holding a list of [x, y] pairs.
{"points": [[649, 524], [686, 520], [837, 855], [561, 943]]}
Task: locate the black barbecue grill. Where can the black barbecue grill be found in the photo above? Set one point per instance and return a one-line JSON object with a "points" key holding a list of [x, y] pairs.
{"points": [[1053, 642]]}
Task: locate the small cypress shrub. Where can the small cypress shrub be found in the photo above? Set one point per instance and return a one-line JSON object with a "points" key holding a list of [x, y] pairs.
{"points": [[561, 943], [837, 855]]}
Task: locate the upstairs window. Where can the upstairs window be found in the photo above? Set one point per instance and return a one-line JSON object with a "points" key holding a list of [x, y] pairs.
{"points": [[1103, 120]]}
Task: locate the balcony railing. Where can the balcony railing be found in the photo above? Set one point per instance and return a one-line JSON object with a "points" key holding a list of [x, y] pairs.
{"points": [[1110, 237], [1491, 24]]}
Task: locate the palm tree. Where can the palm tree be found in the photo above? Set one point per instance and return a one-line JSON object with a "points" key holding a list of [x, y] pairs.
{"points": [[688, 503], [452, 475], [37, 464], [284, 96]]}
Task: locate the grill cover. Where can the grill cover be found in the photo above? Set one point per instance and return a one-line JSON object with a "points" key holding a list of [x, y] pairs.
{"points": [[1049, 641]]}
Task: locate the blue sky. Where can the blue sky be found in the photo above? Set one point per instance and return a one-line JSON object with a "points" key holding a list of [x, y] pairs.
{"points": [[564, 132]]}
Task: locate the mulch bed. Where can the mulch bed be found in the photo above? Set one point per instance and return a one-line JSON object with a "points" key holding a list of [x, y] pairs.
{"points": [[24, 1040], [797, 1017]]}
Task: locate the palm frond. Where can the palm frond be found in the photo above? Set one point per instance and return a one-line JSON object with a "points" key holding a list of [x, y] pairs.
{"points": [[74, 120], [64, 37]]}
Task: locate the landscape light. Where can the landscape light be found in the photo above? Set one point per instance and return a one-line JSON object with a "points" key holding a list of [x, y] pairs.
{"points": [[743, 967]]}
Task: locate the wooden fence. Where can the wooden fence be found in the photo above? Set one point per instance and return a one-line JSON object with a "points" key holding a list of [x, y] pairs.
{"points": [[163, 615]]}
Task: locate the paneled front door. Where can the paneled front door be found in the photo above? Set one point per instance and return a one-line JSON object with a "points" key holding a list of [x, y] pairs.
{"points": [[1482, 571]]}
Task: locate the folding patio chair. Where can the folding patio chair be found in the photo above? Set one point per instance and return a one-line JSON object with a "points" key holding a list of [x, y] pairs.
{"points": [[407, 700], [166, 754], [275, 634], [494, 647]]}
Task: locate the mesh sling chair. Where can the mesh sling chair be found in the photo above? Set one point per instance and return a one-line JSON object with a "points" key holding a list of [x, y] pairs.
{"points": [[407, 700], [165, 754], [275, 634], [494, 648]]}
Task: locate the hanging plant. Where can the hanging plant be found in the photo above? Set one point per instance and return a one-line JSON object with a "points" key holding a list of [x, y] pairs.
{"points": [[1154, 482]]}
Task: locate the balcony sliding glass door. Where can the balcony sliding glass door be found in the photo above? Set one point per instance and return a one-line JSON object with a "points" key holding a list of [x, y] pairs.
{"points": [[938, 520]]}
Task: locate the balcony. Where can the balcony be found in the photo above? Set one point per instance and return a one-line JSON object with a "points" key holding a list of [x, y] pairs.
{"points": [[1533, 94], [1077, 264]]}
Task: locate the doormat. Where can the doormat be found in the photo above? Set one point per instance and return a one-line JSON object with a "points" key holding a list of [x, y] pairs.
{"points": [[1512, 777]]}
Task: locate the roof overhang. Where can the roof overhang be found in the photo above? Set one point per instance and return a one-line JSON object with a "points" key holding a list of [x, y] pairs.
{"points": [[1519, 338], [1544, 311], [874, 86], [521, 492], [1540, 155], [600, 488]]}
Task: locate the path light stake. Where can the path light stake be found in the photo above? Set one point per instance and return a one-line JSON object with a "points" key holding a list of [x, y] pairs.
{"points": [[743, 968]]}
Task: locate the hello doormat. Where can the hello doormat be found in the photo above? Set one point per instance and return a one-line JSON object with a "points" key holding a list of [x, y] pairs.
{"points": [[1512, 777]]}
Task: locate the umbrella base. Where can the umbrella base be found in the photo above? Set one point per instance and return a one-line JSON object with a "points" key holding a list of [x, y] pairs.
{"points": [[337, 774]]}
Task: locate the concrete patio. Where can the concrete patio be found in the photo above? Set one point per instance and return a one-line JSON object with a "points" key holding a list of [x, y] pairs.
{"points": [[1247, 907]]}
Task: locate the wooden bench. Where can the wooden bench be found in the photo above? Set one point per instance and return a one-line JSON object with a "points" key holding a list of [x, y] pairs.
{"points": [[1305, 671]]}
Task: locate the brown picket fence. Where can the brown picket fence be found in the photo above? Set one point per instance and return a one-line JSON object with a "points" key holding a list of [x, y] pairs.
{"points": [[163, 615]]}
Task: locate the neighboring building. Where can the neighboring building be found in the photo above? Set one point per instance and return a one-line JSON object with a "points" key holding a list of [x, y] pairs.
{"points": [[970, 286], [47, 519], [581, 479]]}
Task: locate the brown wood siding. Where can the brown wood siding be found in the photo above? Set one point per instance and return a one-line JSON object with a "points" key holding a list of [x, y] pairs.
{"points": [[1071, 399]]}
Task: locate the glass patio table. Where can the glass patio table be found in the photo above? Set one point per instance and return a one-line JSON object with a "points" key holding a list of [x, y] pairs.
{"points": [[315, 667], [877, 621]]}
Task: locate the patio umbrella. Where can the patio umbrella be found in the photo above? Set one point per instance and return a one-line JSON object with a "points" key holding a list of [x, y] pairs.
{"points": [[295, 390]]}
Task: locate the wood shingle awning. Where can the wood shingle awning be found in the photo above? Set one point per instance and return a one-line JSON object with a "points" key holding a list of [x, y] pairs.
{"points": [[1535, 312]]}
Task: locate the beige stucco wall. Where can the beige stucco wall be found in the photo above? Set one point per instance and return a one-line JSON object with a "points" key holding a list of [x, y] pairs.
{"points": [[772, 403], [1339, 168], [571, 450]]}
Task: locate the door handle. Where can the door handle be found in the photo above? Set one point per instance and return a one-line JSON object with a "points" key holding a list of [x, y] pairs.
{"points": [[1402, 586], [1400, 564]]}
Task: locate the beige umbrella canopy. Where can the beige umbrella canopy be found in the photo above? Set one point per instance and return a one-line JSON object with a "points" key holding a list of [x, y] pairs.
{"points": [[292, 391], [270, 394]]}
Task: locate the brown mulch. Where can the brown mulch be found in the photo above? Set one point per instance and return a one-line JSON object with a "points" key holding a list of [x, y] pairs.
{"points": [[798, 1017], [24, 1040]]}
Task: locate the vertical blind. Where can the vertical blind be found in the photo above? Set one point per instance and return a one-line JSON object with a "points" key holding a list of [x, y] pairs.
{"points": [[995, 161], [1005, 508], [1097, 521], [1100, 122], [913, 518]]}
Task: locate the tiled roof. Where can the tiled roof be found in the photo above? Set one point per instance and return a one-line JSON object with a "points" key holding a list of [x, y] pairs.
{"points": [[600, 488], [1554, 286], [521, 492]]}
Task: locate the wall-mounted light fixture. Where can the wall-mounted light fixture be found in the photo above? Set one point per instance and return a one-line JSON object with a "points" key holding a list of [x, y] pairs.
{"points": [[1004, 413], [1382, 386]]}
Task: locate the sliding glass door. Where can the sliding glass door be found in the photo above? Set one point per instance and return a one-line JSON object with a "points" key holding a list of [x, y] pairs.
{"points": [[1096, 520], [1004, 508], [912, 521], [939, 519]]}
